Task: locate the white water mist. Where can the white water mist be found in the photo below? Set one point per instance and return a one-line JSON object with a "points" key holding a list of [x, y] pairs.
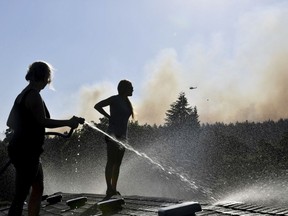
{"points": [[169, 170]]}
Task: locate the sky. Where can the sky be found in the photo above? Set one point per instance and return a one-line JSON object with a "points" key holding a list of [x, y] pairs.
{"points": [[234, 51]]}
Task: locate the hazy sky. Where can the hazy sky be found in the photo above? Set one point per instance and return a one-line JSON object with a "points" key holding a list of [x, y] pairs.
{"points": [[234, 51]]}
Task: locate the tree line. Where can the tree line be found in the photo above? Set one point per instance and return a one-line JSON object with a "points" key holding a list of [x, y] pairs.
{"points": [[218, 155]]}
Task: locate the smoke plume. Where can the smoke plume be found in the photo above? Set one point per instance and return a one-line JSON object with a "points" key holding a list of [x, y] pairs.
{"points": [[238, 79], [88, 96], [260, 92], [160, 89]]}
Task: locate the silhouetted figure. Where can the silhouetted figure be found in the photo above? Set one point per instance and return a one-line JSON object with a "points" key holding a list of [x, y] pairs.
{"points": [[28, 118], [120, 111]]}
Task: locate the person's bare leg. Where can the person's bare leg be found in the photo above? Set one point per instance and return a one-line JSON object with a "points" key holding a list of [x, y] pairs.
{"points": [[108, 175], [34, 204], [21, 192], [115, 176]]}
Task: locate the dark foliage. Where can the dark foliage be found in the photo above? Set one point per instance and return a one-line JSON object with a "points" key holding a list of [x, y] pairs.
{"points": [[214, 155]]}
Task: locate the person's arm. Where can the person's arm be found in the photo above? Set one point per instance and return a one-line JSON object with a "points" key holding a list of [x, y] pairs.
{"points": [[99, 106], [35, 104]]}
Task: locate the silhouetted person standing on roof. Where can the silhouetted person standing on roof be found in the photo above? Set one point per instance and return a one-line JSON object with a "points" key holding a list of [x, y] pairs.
{"points": [[28, 118], [120, 111]]}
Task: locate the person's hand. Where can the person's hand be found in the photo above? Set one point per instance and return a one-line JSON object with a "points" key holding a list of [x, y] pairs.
{"points": [[73, 122], [79, 119]]}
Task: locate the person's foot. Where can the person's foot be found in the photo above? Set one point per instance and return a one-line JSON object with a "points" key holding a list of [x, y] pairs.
{"points": [[110, 193], [107, 197]]}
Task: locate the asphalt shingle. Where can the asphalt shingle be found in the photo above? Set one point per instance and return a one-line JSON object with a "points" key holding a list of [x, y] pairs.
{"points": [[88, 205]]}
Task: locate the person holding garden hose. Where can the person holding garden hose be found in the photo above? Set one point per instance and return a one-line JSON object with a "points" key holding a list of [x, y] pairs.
{"points": [[28, 119], [120, 111]]}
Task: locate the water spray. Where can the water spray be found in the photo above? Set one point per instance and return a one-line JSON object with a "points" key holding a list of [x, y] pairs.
{"points": [[127, 146], [171, 171]]}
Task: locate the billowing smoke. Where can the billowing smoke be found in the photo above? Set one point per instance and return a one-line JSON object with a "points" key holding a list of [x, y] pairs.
{"points": [[238, 79], [90, 95], [160, 89], [257, 90], [158, 92]]}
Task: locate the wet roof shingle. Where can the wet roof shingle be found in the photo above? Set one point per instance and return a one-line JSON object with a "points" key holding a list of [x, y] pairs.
{"points": [[141, 206]]}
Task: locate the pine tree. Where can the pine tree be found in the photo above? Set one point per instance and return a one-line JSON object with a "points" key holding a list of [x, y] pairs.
{"points": [[181, 114], [193, 119]]}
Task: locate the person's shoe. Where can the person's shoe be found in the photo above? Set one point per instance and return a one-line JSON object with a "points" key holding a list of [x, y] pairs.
{"points": [[107, 197], [109, 194]]}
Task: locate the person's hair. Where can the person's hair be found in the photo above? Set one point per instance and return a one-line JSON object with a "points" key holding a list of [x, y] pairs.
{"points": [[122, 88], [38, 71], [123, 85]]}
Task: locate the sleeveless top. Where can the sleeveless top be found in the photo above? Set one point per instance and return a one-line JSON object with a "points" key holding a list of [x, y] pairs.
{"points": [[28, 136], [120, 111]]}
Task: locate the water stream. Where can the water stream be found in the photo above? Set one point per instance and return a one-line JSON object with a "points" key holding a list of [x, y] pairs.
{"points": [[168, 170]]}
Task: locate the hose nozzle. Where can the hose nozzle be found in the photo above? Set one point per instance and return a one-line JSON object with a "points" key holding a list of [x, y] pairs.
{"points": [[79, 119]]}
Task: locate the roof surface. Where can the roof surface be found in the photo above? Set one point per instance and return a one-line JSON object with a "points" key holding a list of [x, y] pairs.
{"points": [[141, 206]]}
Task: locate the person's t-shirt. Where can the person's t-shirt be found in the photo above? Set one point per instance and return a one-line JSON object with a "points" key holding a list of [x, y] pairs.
{"points": [[120, 111]]}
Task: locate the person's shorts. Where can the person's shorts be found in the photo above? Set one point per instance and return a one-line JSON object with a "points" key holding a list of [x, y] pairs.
{"points": [[23, 157], [115, 152], [29, 173]]}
